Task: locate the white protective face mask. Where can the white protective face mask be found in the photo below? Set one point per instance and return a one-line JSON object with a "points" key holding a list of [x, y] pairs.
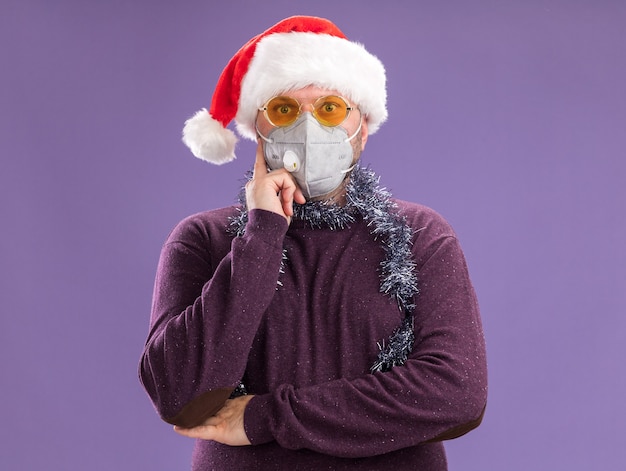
{"points": [[318, 156]]}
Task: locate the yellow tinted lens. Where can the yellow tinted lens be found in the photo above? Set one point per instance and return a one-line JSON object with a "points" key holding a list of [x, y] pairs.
{"points": [[330, 110], [282, 110]]}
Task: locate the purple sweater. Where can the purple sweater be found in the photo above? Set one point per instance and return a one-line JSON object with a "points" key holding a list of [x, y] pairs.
{"points": [[303, 338]]}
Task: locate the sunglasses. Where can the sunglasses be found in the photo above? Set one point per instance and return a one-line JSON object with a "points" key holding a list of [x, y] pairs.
{"points": [[329, 110]]}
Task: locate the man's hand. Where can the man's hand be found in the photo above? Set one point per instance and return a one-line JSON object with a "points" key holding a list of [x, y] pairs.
{"points": [[224, 427], [273, 191]]}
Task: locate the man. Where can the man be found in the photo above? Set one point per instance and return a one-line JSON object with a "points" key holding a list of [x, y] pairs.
{"points": [[320, 324]]}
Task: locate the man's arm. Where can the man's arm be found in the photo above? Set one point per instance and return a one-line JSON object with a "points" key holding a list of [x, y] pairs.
{"points": [[204, 317], [201, 331], [439, 393]]}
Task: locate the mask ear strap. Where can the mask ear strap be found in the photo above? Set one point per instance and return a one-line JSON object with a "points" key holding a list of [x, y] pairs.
{"points": [[348, 169], [266, 139], [358, 130]]}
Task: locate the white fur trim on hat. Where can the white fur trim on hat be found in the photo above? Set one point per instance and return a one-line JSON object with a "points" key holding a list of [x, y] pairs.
{"points": [[294, 60], [208, 139]]}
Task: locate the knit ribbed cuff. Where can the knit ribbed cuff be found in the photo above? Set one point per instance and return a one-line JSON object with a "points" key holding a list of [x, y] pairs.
{"points": [[256, 419], [268, 226]]}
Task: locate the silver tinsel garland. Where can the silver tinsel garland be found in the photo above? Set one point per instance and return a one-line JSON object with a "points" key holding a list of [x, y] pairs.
{"points": [[398, 278]]}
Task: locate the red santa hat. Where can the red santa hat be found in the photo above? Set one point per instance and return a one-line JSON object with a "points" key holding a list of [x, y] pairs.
{"points": [[295, 53]]}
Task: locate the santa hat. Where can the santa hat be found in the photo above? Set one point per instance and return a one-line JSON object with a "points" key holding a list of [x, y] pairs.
{"points": [[295, 53]]}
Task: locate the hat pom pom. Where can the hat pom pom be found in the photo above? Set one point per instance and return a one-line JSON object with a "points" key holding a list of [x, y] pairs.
{"points": [[208, 139]]}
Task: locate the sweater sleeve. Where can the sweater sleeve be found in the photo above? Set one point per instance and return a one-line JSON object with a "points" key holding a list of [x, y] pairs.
{"points": [[439, 393], [201, 331]]}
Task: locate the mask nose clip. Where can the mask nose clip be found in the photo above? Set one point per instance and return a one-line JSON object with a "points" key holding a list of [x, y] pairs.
{"points": [[291, 161]]}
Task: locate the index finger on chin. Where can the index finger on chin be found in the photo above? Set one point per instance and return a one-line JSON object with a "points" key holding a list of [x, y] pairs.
{"points": [[260, 167]]}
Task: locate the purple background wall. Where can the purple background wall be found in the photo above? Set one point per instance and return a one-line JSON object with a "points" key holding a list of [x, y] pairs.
{"points": [[508, 117]]}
